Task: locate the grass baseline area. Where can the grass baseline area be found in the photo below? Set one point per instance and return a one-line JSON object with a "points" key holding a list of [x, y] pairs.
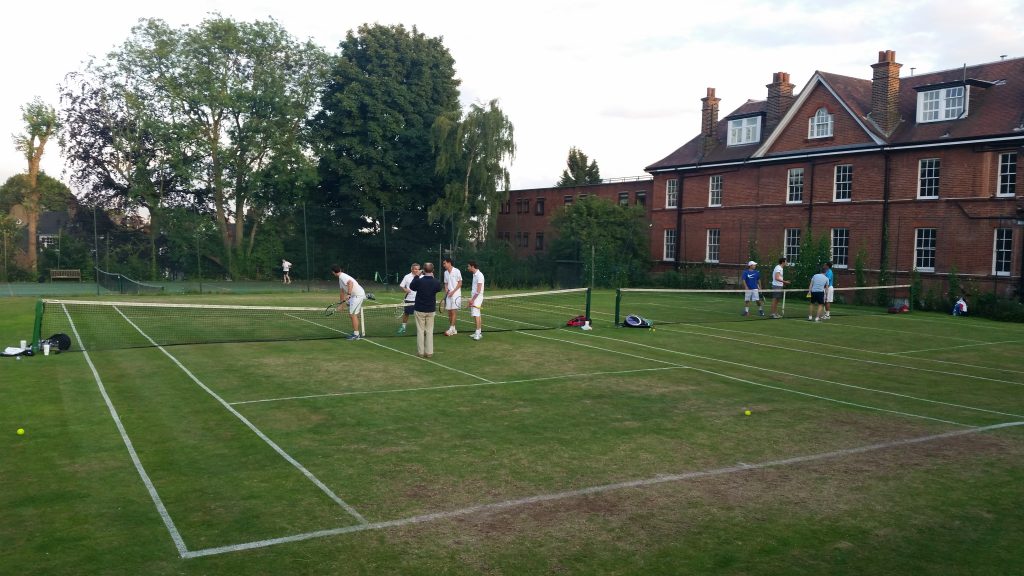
{"points": [[875, 443]]}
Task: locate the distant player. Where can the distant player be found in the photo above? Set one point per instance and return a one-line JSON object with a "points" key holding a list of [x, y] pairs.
{"points": [[816, 290], [752, 281], [452, 295], [352, 293], [476, 299], [830, 292], [286, 266], [778, 285], [410, 295]]}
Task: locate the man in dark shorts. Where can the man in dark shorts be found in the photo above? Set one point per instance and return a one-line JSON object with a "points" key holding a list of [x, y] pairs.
{"points": [[816, 290]]}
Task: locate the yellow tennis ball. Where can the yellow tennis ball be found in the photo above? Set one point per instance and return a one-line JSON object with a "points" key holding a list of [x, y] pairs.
{"points": [[21, 431], [746, 412]]}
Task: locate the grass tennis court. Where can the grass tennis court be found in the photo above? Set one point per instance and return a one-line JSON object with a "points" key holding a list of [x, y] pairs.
{"points": [[876, 444]]}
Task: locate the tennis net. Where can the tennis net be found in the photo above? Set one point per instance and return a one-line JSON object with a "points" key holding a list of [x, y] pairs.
{"points": [[101, 325], [671, 306], [122, 284]]}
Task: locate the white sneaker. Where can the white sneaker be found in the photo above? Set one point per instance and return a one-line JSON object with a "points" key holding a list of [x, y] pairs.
{"points": [[454, 331], [810, 318], [817, 319], [476, 336]]}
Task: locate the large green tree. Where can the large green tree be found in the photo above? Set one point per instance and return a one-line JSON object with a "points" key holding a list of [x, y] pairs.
{"points": [[610, 240], [472, 152], [40, 125], [378, 176], [580, 170], [216, 113]]}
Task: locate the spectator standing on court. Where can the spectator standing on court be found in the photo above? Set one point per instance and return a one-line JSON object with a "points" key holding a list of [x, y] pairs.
{"points": [[410, 295], [452, 295], [426, 288], [830, 292], [816, 290], [352, 293], [778, 285], [476, 298], [752, 281], [286, 266]]}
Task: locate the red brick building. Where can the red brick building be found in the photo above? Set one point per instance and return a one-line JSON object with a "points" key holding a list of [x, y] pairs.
{"points": [[524, 221], [917, 172]]}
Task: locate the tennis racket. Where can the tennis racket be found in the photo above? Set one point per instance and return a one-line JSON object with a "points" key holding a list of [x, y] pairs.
{"points": [[332, 308], [456, 303]]}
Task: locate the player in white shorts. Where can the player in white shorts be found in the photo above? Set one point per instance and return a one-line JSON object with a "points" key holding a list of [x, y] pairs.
{"points": [[452, 295], [352, 293], [476, 299]]}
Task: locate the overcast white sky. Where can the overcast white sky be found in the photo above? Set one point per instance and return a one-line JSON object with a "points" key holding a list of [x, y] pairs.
{"points": [[622, 81]]}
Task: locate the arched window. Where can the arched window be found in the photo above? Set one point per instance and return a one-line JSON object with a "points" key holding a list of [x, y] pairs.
{"points": [[819, 125]]}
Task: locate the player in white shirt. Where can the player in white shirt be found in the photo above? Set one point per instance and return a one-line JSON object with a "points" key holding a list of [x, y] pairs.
{"points": [[352, 293], [778, 285], [286, 266], [410, 295], [476, 298], [453, 294]]}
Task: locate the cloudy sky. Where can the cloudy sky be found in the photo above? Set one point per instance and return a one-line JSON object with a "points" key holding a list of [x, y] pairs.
{"points": [[622, 81]]}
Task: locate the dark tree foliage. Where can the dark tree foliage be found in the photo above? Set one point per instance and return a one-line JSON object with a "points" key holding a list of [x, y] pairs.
{"points": [[377, 166], [579, 172]]}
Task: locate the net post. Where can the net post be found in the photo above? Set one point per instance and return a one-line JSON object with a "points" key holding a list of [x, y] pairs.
{"points": [[37, 327], [588, 304], [618, 301], [362, 323]]}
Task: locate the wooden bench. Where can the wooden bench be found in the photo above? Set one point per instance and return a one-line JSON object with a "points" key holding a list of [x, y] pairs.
{"points": [[65, 274]]}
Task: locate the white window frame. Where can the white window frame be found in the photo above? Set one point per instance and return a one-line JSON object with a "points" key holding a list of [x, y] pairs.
{"points": [[819, 125], [715, 190], [713, 247], [1006, 184], [842, 183], [672, 193], [669, 240], [791, 245], [1002, 251], [943, 104], [840, 248], [45, 241], [929, 173], [744, 131], [925, 249], [795, 186]]}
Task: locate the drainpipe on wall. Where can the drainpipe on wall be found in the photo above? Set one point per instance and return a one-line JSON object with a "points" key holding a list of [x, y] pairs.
{"points": [[679, 223]]}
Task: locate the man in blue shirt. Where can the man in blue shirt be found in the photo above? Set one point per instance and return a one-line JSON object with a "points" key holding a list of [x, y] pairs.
{"points": [[830, 292], [816, 290], [752, 281]]}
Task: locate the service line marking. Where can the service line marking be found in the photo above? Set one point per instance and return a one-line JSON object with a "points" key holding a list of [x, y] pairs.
{"points": [[592, 490]]}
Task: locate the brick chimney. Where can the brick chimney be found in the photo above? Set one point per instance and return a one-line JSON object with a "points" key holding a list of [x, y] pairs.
{"points": [[709, 121], [885, 92], [780, 98]]}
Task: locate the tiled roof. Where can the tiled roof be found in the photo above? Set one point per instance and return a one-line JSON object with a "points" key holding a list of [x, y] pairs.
{"points": [[995, 108]]}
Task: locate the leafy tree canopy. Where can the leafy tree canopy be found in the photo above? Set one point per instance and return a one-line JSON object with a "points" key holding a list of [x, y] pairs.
{"points": [[579, 172], [53, 194], [610, 239]]}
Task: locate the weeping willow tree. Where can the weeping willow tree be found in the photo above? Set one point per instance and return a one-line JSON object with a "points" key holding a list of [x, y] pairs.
{"points": [[471, 155]]}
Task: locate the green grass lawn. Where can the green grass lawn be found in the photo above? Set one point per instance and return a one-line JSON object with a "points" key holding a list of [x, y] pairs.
{"points": [[876, 444]]}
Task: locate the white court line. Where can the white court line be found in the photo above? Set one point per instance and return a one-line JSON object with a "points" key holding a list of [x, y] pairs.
{"points": [[599, 489], [838, 357], [371, 341], [745, 381], [179, 543], [952, 347], [449, 386], [804, 377], [305, 472]]}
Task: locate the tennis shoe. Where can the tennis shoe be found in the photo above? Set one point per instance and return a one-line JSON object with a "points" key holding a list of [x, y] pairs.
{"points": [[745, 313], [817, 319], [810, 318], [401, 330], [760, 312], [353, 337], [476, 336]]}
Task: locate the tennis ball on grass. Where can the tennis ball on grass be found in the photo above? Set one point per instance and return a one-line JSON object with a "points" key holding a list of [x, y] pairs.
{"points": [[746, 412], [21, 431]]}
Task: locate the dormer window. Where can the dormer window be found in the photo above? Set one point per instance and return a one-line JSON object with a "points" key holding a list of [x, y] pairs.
{"points": [[819, 125], [948, 103], [744, 131]]}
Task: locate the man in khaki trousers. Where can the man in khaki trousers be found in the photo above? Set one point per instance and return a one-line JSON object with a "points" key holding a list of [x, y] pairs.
{"points": [[426, 287]]}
